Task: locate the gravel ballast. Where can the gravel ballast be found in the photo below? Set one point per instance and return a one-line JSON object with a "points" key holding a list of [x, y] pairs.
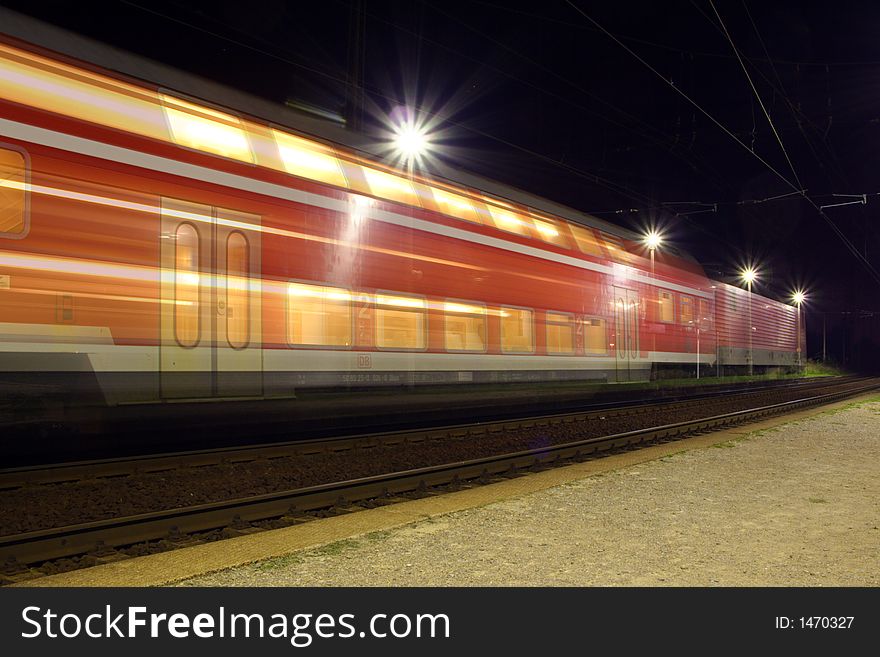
{"points": [[792, 506], [57, 505]]}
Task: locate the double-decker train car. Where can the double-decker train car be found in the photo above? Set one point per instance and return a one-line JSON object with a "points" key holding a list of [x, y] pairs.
{"points": [[164, 238]]}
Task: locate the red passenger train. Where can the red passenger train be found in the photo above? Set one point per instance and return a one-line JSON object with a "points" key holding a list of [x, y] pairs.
{"points": [[163, 238]]}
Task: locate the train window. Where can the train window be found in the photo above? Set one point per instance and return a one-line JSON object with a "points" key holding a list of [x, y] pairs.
{"points": [[516, 330], [465, 326], [308, 159], [619, 336], [238, 299], [595, 342], [318, 315], [400, 322], [455, 205], [391, 187], [586, 240], [667, 309], [633, 328], [512, 222], [205, 129], [704, 319], [613, 244], [187, 288], [35, 81], [13, 193], [549, 231], [687, 310], [560, 333]]}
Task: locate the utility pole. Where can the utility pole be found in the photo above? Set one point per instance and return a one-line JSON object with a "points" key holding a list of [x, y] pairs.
{"points": [[823, 337]]}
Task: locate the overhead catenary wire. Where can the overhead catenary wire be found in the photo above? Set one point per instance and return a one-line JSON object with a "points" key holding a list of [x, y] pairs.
{"points": [[781, 89], [837, 205], [600, 180], [687, 214], [800, 188], [799, 117], [778, 197], [670, 48], [861, 199], [613, 186], [836, 229], [757, 95], [687, 98], [681, 93], [796, 111], [716, 178], [688, 203], [645, 130]]}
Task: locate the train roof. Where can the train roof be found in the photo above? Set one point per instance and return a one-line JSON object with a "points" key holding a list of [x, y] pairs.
{"points": [[113, 59]]}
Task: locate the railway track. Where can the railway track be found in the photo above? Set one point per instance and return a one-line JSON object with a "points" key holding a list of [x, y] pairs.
{"points": [[92, 434], [100, 538], [123, 466]]}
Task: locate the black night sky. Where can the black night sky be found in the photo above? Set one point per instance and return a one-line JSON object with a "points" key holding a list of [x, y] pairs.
{"points": [[560, 99]]}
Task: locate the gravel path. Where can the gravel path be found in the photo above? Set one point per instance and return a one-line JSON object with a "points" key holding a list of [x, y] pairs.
{"points": [[794, 506]]}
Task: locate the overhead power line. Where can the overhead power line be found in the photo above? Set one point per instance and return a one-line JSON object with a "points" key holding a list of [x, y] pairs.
{"points": [[757, 95], [820, 209], [611, 185], [671, 48], [847, 243], [680, 92]]}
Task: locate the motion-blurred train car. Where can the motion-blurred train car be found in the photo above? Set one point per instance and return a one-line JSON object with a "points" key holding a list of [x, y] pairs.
{"points": [[162, 237]]}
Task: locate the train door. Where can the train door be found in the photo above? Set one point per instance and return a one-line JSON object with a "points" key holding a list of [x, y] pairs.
{"points": [[210, 318], [626, 327]]}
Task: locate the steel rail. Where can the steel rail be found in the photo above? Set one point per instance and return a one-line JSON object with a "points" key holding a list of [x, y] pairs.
{"points": [[42, 545], [122, 466]]}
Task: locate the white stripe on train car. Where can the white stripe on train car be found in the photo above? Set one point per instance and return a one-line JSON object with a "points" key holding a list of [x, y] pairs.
{"points": [[678, 357], [113, 153], [130, 358]]}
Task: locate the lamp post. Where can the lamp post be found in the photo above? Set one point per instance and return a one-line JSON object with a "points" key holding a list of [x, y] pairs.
{"points": [[749, 275], [798, 298], [652, 241], [411, 144]]}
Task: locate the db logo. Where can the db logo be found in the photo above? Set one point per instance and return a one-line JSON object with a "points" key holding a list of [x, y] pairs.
{"points": [[365, 362]]}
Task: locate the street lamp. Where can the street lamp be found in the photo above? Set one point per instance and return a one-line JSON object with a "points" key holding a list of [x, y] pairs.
{"points": [[411, 142], [652, 241], [798, 297], [748, 275]]}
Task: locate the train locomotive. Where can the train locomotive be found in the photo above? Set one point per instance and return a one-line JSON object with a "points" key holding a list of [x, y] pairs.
{"points": [[164, 238]]}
